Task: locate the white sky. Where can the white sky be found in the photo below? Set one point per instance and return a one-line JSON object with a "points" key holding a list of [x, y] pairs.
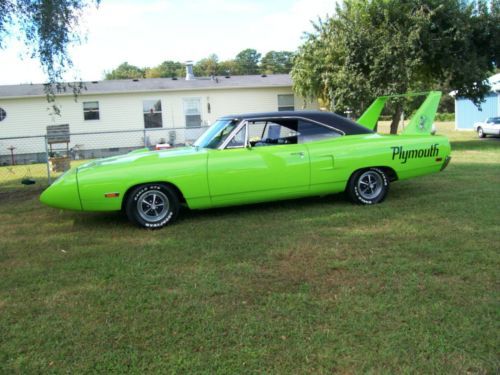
{"points": [[145, 33]]}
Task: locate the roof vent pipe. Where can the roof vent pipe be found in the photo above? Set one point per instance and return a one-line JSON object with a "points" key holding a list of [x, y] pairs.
{"points": [[189, 70]]}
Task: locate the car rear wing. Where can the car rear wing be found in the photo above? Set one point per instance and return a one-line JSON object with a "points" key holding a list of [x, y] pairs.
{"points": [[420, 123]]}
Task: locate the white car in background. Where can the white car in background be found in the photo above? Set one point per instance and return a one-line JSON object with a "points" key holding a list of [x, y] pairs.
{"points": [[489, 127]]}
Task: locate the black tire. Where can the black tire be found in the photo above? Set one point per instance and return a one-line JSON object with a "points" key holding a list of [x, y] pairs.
{"points": [[480, 132], [152, 205], [368, 186]]}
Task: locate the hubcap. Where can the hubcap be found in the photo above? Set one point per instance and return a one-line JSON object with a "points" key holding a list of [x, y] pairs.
{"points": [[370, 185], [153, 206]]}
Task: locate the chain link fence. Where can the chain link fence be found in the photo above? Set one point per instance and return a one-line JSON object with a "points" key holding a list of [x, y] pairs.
{"points": [[33, 163]]}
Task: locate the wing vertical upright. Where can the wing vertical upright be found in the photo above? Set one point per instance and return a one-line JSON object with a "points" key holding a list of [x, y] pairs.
{"points": [[421, 122], [370, 117]]}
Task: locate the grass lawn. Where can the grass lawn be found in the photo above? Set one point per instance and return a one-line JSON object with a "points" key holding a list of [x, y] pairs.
{"points": [[305, 286]]}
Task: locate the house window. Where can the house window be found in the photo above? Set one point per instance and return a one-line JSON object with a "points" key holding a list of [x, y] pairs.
{"points": [[192, 112], [91, 110], [3, 114], [286, 102], [152, 113]]}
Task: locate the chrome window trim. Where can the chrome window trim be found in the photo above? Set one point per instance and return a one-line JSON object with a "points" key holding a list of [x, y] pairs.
{"points": [[232, 135], [295, 118], [247, 120]]}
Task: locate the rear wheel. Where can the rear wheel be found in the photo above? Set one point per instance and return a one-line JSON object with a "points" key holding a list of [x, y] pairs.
{"points": [[368, 186], [152, 205], [480, 133]]}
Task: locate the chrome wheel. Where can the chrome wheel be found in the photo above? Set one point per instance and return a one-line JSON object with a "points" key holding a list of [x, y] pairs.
{"points": [[480, 133], [370, 185], [153, 205]]}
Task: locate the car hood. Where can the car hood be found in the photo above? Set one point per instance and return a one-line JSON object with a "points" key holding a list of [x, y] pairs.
{"points": [[141, 155]]}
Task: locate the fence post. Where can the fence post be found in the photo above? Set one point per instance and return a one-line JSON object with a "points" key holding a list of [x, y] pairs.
{"points": [[145, 141], [47, 158]]}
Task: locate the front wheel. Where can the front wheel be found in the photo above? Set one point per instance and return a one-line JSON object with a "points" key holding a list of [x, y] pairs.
{"points": [[152, 205], [368, 186], [480, 133]]}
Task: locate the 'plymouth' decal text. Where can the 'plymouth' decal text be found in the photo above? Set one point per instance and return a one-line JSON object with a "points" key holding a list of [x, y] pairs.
{"points": [[403, 155]]}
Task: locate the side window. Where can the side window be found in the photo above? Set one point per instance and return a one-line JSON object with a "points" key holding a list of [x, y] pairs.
{"points": [[276, 131], [267, 133], [222, 135], [238, 140], [309, 132]]}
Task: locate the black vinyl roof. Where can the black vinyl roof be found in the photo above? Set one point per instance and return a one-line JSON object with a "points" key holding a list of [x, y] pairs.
{"points": [[348, 127]]}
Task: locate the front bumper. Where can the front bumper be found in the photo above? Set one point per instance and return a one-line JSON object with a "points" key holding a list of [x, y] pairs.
{"points": [[63, 193]]}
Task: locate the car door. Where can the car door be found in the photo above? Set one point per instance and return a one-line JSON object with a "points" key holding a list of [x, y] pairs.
{"points": [[255, 167], [321, 145], [488, 126], [493, 126]]}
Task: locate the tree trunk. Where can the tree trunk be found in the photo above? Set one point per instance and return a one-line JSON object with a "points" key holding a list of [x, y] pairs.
{"points": [[396, 117]]}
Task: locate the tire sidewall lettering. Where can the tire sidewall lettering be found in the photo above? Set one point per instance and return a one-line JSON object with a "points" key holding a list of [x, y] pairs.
{"points": [[161, 223], [144, 189]]}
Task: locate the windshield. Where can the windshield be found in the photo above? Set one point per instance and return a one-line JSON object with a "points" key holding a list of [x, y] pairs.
{"points": [[216, 134], [494, 120]]}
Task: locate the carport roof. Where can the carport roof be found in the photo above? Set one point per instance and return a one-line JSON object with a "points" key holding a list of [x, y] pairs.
{"points": [[153, 84]]}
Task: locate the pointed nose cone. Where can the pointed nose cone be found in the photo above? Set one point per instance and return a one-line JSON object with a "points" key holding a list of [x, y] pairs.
{"points": [[63, 193]]}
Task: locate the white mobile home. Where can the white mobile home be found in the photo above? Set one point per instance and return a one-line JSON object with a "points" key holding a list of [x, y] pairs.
{"points": [[153, 106]]}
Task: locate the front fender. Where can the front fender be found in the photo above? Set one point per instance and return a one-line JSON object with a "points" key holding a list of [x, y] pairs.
{"points": [[103, 187]]}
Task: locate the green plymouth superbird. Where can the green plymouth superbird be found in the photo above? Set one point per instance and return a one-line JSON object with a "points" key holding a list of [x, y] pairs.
{"points": [[258, 157]]}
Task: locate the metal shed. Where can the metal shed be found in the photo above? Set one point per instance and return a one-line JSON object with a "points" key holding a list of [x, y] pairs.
{"points": [[466, 113]]}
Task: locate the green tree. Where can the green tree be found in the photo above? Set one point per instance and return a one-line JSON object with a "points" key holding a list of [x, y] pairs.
{"points": [[227, 68], [371, 48], [247, 61], [167, 69], [125, 70], [207, 67], [276, 62]]}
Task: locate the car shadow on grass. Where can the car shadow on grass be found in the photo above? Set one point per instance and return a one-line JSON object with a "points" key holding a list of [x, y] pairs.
{"points": [[91, 220], [285, 206], [100, 219]]}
